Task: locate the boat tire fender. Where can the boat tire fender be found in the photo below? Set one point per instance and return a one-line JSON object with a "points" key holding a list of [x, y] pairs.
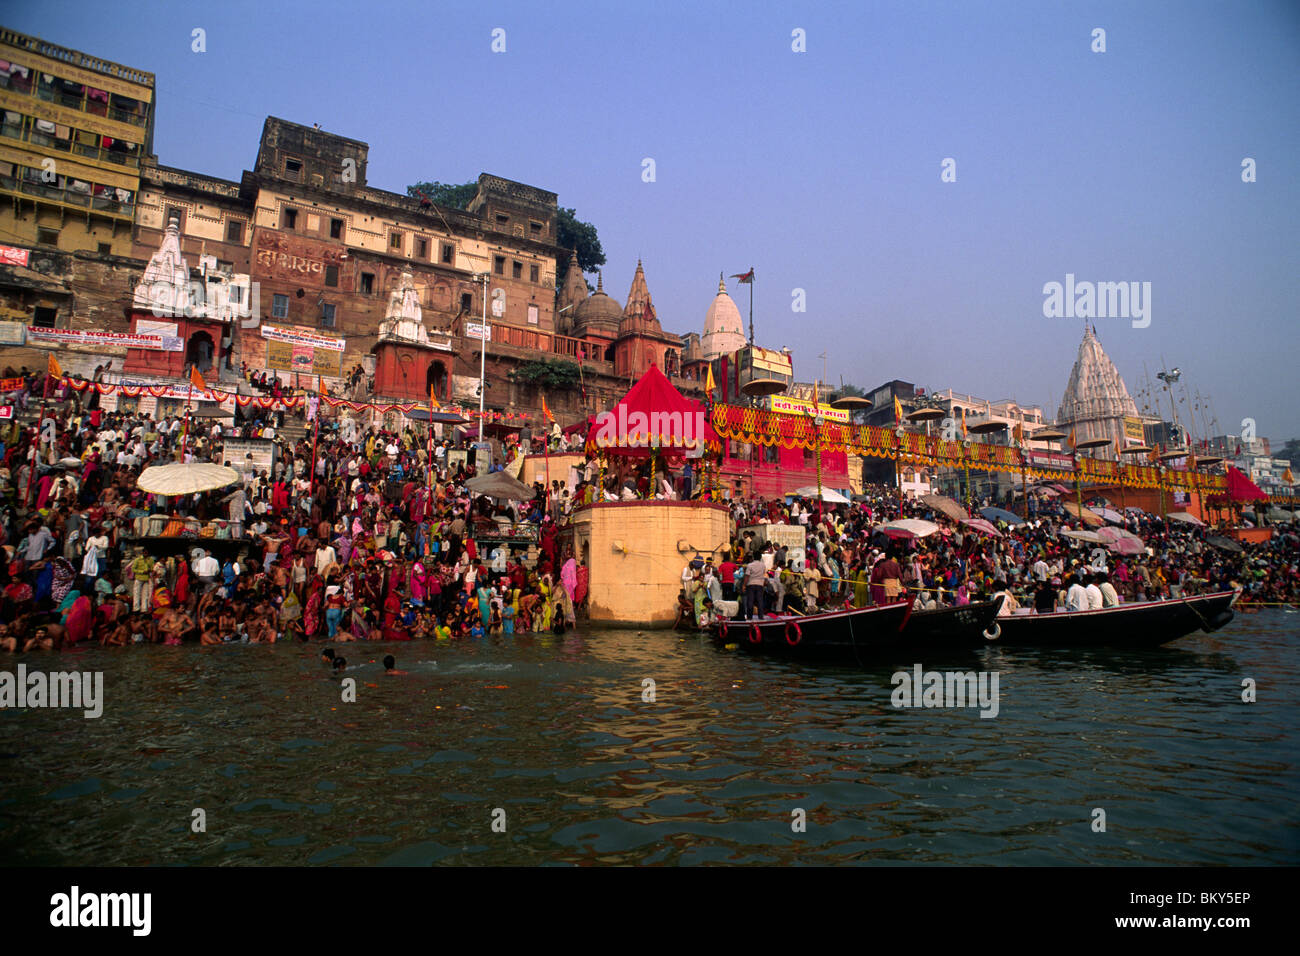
{"points": [[722, 631], [798, 633], [755, 635], [993, 633]]}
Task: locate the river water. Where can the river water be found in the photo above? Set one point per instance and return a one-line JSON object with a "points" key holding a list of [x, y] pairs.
{"points": [[551, 739]]}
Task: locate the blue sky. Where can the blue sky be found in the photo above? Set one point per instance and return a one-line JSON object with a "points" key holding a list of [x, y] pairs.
{"points": [[820, 169]]}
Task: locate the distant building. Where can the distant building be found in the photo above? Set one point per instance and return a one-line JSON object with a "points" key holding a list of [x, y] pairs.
{"points": [[1096, 401]]}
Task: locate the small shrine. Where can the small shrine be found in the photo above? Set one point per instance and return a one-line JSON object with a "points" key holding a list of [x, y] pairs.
{"points": [[408, 363]]}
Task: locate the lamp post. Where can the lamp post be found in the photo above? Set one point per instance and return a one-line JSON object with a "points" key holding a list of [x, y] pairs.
{"points": [[899, 432], [818, 421], [482, 356]]}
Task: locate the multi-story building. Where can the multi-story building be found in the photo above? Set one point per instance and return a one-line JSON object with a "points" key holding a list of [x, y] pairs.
{"points": [[75, 129]]}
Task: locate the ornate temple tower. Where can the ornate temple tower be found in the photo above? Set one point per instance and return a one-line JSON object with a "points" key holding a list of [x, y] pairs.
{"points": [[1096, 400], [572, 295], [724, 329], [407, 362], [642, 342]]}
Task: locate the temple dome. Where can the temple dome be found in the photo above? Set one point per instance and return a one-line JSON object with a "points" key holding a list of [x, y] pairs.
{"points": [[724, 329], [598, 312], [1096, 400]]}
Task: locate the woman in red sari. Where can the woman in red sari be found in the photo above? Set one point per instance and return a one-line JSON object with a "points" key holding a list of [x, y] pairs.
{"points": [[311, 615], [182, 590], [78, 620], [392, 608]]}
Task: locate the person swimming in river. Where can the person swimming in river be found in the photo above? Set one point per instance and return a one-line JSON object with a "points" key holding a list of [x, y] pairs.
{"points": [[327, 656], [340, 664], [390, 667]]}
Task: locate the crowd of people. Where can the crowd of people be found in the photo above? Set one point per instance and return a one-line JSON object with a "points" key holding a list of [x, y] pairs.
{"points": [[366, 548], [385, 541], [851, 559]]}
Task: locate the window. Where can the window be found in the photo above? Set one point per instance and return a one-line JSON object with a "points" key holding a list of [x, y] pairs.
{"points": [[367, 283], [331, 275], [289, 218], [532, 273], [771, 455], [293, 170], [466, 302], [44, 318], [422, 248], [395, 240], [448, 253], [534, 228], [503, 220], [105, 249], [234, 230], [47, 237], [280, 307], [517, 270], [499, 265], [327, 315], [336, 228], [175, 213]]}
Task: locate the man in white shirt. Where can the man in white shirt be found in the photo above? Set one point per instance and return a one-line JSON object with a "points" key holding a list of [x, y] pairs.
{"points": [[207, 569], [325, 556], [1109, 597], [1040, 569], [1076, 598], [1094, 595]]}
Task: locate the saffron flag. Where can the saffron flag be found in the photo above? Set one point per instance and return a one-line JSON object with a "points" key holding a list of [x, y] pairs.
{"points": [[709, 384], [1286, 476], [898, 411], [963, 423], [1073, 439], [1018, 433], [546, 411], [53, 367], [433, 399], [196, 379], [745, 276]]}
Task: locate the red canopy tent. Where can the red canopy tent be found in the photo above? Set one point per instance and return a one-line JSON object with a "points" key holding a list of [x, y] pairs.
{"points": [[653, 415], [1241, 488]]}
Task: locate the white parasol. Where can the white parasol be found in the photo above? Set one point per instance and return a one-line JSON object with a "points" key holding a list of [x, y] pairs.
{"points": [[185, 479]]}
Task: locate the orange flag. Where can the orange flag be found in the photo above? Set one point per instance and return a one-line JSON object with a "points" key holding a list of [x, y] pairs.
{"points": [[709, 384], [197, 380], [1018, 433], [546, 411], [54, 368], [433, 399], [1073, 439]]}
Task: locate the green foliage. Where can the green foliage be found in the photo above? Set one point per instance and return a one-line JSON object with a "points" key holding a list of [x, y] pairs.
{"points": [[445, 194], [571, 233], [542, 373]]}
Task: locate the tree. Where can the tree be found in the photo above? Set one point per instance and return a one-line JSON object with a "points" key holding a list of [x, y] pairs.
{"points": [[572, 233], [445, 194], [541, 373]]}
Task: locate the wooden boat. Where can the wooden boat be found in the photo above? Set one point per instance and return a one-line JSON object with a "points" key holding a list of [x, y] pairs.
{"points": [[1148, 624], [852, 633], [962, 626]]}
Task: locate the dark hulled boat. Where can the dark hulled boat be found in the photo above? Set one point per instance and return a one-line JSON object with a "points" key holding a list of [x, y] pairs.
{"points": [[961, 626], [1148, 624], [856, 632]]}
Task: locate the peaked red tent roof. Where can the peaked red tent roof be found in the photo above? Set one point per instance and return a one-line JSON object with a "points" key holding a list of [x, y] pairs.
{"points": [[651, 410], [1241, 488]]}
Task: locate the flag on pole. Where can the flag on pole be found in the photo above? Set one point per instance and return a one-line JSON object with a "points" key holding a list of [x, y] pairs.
{"points": [[745, 276], [54, 368], [1286, 476], [963, 423], [546, 412], [433, 399], [1073, 439], [709, 384], [1018, 433], [898, 411], [196, 379]]}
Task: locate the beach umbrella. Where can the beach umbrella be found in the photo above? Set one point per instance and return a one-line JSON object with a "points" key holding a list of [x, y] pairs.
{"points": [[1186, 518], [829, 495], [1121, 541], [945, 506], [1224, 544], [909, 527], [1001, 514], [498, 484], [185, 478], [1090, 536], [1086, 515], [1110, 514], [982, 526]]}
